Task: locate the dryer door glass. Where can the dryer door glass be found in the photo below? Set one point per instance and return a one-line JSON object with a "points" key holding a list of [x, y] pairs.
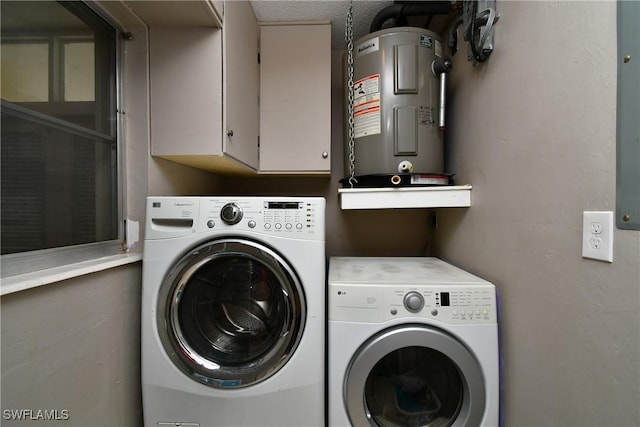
{"points": [[414, 375], [231, 313], [414, 386]]}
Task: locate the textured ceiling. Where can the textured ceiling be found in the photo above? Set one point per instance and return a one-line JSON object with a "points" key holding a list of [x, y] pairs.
{"points": [[326, 10]]}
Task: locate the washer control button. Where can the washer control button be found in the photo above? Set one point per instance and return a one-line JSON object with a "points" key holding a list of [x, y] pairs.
{"points": [[251, 224], [278, 226], [211, 224], [413, 301], [267, 226], [231, 213], [299, 226], [288, 226]]}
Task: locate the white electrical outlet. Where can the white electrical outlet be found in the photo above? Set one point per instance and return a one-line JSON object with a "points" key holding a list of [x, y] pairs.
{"points": [[597, 235]]}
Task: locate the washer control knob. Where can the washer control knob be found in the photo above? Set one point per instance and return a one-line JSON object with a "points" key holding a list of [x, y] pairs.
{"points": [[413, 301], [231, 213]]}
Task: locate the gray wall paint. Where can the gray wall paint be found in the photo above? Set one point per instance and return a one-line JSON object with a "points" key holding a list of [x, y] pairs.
{"points": [[75, 346], [533, 130]]}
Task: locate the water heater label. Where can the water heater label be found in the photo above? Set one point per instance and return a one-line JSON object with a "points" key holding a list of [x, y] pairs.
{"points": [[426, 41], [367, 47], [366, 106], [426, 115]]}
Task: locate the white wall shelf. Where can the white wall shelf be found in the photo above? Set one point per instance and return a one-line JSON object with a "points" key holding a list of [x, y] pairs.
{"points": [[456, 196]]}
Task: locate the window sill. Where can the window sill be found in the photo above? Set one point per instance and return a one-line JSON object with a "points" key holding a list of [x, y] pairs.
{"points": [[35, 279]]}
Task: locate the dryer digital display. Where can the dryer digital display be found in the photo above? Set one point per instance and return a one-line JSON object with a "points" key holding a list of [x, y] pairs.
{"points": [[444, 299]]}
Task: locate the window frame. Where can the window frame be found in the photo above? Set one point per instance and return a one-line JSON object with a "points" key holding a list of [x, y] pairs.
{"points": [[31, 261]]}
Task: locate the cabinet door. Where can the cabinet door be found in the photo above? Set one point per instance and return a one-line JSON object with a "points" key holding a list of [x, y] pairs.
{"points": [[295, 98], [186, 85], [240, 133]]}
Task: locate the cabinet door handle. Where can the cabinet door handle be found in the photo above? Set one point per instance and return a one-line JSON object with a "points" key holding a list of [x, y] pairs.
{"points": [[325, 154], [230, 133]]}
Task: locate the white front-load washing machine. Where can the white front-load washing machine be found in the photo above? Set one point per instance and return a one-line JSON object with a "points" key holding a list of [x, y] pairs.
{"points": [[412, 342], [233, 311]]}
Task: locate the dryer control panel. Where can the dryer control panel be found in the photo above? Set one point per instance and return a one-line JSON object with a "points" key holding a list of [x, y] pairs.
{"points": [[465, 304], [380, 289]]}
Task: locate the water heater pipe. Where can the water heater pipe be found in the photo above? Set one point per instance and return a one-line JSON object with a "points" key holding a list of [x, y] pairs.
{"points": [[441, 66], [443, 86], [412, 8]]}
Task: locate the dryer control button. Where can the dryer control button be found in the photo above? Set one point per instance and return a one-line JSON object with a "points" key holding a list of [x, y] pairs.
{"points": [[211, 224], [413, 302]]}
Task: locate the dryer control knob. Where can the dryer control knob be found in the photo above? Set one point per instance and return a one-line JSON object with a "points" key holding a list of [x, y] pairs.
{"points": [[231, 213], [413, 302]]}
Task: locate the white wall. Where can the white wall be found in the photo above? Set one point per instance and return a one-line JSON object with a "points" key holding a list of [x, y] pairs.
{"points": [[533, 130]]}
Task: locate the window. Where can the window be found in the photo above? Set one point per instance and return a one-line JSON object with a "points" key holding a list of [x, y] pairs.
{"points": [[59, 150]]}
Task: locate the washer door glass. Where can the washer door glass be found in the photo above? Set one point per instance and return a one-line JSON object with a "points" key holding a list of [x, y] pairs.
{"points": [[414, 376], [231, 313]]}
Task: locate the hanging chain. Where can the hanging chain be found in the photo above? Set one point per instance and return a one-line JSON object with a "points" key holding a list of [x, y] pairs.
{"points": [[349, 39]]}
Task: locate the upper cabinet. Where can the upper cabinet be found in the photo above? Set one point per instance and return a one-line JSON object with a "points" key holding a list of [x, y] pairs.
{"points": [[204, 92], [198, 13], [295, 98], [207, 77]]}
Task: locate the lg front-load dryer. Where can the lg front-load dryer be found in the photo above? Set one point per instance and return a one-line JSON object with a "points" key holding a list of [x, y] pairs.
{"points": [[233, 312], [412, 342]]}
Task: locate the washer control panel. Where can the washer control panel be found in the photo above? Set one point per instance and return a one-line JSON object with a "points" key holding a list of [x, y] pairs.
{"points": [[464, 303], [291, 217], [286, 216]]}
